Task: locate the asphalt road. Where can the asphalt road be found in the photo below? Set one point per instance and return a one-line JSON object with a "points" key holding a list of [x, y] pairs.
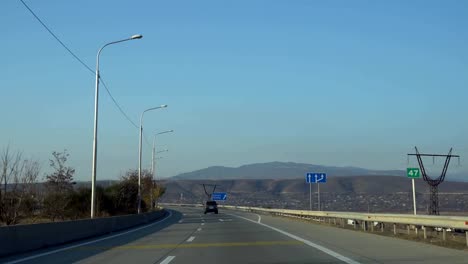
{"points": [[189, 236]]}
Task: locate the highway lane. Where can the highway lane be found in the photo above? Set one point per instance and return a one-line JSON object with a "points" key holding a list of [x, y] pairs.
{"points": [[189, 236], [363, 247], [229, 239]]}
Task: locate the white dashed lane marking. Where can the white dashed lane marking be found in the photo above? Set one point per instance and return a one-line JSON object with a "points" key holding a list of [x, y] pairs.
{"points": [[167, 260]]}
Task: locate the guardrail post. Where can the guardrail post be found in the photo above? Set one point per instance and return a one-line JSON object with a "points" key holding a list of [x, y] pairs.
{"points": [[466, 234], [354, 224], [424, 232], [334, 221], [444, 234], [372, 226], [364, 225], [416, 231], [394, 229], [343, 223], [382, 227], [408, 229]]}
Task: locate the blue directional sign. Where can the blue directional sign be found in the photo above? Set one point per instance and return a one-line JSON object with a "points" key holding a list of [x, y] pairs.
{"points": [[316, 177], [220, 196]]}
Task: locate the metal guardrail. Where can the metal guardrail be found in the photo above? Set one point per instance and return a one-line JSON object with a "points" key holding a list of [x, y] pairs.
{"points": [[453, 222], [184, 205]]}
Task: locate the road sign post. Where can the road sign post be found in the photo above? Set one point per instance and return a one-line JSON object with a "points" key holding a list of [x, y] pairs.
{"points": [[414, 196], [318, 194], [309, 181], [315, 178], [413, 173], [310, 196]]}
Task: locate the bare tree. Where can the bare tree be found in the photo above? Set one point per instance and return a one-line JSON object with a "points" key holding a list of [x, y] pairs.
{"points": [[11, 168], [29, 189], [10, 162], [17, 179], [61, 179], [59, 186]]}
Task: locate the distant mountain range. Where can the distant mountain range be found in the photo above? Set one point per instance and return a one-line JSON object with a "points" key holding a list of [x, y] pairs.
{"points": [[372, 184], [277, 170], [285, 170]]}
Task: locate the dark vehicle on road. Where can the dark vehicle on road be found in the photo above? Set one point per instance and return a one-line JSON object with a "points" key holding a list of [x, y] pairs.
{"points": [[211, 206]]}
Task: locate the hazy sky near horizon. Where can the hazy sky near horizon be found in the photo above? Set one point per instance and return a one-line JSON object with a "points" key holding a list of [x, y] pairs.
{"points": [[345, 83]]}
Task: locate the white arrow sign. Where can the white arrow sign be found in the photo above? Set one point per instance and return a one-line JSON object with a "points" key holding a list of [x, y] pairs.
{"points": [[317, 179]]}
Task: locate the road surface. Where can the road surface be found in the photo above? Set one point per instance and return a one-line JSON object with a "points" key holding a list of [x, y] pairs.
{"points": [[186, 235]]}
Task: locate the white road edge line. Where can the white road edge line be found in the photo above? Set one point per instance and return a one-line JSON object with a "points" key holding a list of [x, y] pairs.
{"points": [[259, 218], [190, 239], [307, 242], [89, 242], [167, 260]]}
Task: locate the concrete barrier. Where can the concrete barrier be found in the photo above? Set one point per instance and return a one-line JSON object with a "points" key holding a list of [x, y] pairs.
{"points": [[23, 238]]}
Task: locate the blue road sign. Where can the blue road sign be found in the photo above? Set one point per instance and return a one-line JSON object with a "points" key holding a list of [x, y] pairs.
{"points": [[314, 177], [219, 196]]}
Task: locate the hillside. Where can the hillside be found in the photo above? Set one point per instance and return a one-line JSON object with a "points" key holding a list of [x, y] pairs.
{"points": [[278, 170], [350, 184], [351, 193]]}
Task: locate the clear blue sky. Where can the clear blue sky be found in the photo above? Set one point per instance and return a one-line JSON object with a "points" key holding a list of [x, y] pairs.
{"points": [[346, 83]]}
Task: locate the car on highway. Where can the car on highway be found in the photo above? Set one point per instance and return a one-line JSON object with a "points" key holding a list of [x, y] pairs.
{"points": [[211, 206]]}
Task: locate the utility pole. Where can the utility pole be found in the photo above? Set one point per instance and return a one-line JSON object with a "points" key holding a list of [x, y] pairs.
{"points": [[208, 195], [433, 183]]}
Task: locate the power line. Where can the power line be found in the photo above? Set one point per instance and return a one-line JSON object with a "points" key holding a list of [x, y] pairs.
{"points": [[56, 38], [117, 104], [147, 141], [81, 62]]}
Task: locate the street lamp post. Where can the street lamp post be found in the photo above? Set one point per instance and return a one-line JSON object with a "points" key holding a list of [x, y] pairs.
{"points": [[158, 187], [96, 102], [153, 161], [154, 148], [153, 181], [153, 169], [139, 153]]}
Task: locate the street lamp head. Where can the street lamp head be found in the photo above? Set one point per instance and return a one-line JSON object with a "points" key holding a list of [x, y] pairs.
{"points": [[136, 36], [164, 132]]}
